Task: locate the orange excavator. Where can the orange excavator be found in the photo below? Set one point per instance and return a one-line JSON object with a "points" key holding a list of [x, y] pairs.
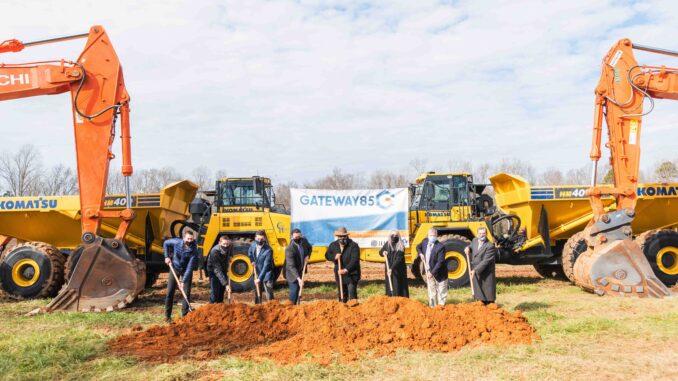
{"points": [[614, 263], [106, 276]]}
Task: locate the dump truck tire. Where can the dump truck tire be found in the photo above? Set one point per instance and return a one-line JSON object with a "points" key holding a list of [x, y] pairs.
{"points": [[151, 278], [242, 274], [417, 269], [550, 271], [32, 270], [72, 260], [661, 250], [574, 247], [455, 260]]}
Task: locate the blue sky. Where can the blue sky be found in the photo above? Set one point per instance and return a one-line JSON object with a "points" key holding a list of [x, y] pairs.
{"points": [[294, 89]]}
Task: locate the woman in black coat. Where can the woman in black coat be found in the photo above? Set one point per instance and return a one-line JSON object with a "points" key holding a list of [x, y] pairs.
{"points": [[394, 249]]}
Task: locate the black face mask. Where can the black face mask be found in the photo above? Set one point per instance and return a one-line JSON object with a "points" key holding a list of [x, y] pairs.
{"points": [[394, 239], [343, 241], [297, 240]]}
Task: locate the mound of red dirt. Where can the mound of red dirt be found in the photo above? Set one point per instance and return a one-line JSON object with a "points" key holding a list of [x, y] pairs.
{"points": [[323, 331]]}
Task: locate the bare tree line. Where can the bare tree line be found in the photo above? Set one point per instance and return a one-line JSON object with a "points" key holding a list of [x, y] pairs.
{"points": [[23, 174]]}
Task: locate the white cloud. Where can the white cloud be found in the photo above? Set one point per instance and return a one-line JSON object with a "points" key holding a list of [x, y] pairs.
{"points": [[292, 89]]}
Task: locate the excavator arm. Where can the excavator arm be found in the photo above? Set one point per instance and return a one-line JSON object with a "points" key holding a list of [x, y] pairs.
{"points": [[614, 263], [106, 276]]}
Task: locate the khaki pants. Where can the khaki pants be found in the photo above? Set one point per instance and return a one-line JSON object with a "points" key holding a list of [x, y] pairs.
{"points": [[437, 292]]}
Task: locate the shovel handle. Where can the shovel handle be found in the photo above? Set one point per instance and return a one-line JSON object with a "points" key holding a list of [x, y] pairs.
{"points": [[301, 287], [468, 262], [341, 283], [181, 287], [256, 284], [390, 281]]}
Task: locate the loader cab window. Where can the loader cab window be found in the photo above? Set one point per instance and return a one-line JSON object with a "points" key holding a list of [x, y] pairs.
{"points": [[441, 193], [242, 193]]}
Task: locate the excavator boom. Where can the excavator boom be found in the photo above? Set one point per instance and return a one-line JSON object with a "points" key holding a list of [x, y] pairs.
{"points": [[106, 276], [614, 263]]}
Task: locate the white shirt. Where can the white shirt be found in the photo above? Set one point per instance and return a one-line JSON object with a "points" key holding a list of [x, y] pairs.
{"points": [[428, 254]]}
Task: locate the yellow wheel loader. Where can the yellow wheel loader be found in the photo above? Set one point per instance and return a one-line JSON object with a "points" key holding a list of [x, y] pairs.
{"points": [[239, 207]]}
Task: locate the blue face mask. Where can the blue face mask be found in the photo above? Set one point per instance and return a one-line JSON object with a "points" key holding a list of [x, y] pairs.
{"points": [[259, 241], [432, 238]]}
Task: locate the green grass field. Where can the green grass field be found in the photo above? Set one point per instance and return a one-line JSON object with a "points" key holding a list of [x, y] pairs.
{"points": [[584, 337]]}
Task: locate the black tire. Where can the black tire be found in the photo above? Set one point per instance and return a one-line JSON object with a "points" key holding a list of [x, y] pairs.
{"points": [[455, 260], [242, 275], [574, 247], [72, 260], [550, 271], [276, 273], [151, 278], [661, 250], [417, 268], [32, 270]]}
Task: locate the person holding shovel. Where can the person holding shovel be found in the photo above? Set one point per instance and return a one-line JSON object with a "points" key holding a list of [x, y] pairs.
{"points": [[395, 271], [182, 255], [346, 257], [261, 256], [297, 254], [432, 254], [218, 262], [483, 254]]}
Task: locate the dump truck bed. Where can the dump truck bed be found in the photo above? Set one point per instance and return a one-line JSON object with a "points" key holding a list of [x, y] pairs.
{"points": [[567, 209], [56, 219]]}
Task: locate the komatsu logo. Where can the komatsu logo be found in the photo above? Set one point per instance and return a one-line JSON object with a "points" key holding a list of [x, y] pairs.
{"points": [[13, 79], [658, 191], [37, 203]]}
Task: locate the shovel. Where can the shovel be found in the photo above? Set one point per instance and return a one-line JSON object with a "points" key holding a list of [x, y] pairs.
{"points": [[390, 281], [256, 284], [181, 287], [423, 259], [301, 288], [341, 284], [228, 290], [468, 261]]}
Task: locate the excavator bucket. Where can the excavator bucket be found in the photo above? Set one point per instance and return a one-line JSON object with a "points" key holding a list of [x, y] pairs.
{"points": [[618, 268], [106, 278]]}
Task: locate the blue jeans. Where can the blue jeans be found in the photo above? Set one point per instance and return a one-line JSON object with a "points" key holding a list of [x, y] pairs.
{"points": [[294, 291], [216, 290]]}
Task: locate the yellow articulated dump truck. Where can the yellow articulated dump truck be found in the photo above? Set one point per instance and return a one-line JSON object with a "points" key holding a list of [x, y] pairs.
{"points": [[536, 226], [554, 218], [39, 235], [239, 207]]}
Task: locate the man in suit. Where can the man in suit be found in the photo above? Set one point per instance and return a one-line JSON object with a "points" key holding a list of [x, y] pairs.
{"points": [[296, 255], [261, 255], [432, 254], [345, 253], [483, 255]]}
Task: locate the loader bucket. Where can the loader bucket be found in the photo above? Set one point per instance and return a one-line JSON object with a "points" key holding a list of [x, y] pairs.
{"points": [[618, 268], [106, 278]]}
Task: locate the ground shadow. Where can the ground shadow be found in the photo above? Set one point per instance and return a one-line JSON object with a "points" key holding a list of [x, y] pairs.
{"points": [[529, 306], [514, 280]]}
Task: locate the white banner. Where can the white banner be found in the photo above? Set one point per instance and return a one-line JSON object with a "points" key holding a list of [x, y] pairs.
{"points": [[369, 215]]}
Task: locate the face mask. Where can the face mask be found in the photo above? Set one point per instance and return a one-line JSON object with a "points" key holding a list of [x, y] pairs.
{"points": [[259, 241], [482, 239], [432, 238], [394, 239], [297, 240], [225, 245], [343, 241], [189, 243]]}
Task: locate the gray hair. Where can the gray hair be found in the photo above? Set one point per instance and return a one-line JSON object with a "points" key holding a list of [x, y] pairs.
{"points": [[482, 228], [433, 230]]}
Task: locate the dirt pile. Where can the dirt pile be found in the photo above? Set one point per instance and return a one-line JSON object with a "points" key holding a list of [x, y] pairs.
{"points": [[323, 331]]}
